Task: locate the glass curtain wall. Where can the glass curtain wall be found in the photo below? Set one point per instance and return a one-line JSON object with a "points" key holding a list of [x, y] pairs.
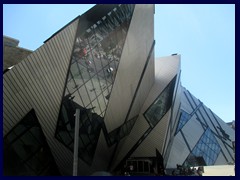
{"points": [[161, 105], [26, 152], [117, 134], [205, 152], [184, 117], [96, 55]]}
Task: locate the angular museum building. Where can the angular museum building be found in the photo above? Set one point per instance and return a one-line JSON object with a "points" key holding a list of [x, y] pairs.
{"points": [[133, 110]]}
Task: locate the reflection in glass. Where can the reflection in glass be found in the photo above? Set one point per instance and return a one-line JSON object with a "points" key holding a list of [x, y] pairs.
{"points": [[205, 152], [122, 131], [161, 105], [94, 62], [28, 153], [184, 117]]}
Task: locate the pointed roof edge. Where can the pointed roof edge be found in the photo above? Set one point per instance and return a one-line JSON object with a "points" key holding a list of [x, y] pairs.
{"points": [[100, 9]]}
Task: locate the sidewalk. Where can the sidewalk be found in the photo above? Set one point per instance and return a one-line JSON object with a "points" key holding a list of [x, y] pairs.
{"points": [[220, 170]]}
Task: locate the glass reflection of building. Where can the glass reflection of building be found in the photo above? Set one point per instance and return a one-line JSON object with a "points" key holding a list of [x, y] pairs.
{"points": [[205, 151], [184, 117], [161, 105], [26, 151], [86, 54], [94, 62]]}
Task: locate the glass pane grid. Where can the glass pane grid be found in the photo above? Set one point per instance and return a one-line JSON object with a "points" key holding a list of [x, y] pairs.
{"points": [[92, 73], [204, 150], [161, 105], [23, 155]]}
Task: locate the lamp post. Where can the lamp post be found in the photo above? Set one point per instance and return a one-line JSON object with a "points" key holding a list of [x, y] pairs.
{"points": [[76, 134]]}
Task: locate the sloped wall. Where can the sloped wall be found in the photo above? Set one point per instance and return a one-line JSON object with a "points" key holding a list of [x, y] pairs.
{"points": [[38, 82]]}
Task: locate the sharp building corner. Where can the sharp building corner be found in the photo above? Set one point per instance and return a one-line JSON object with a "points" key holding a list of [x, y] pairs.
{"points": [[135, 116]]}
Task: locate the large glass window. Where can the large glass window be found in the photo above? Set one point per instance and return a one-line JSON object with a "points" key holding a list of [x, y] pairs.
{"points": [[94, 62], [122, 131], [184, 117], [89, 128], [26, 152], [161, 105], [205, 152]]}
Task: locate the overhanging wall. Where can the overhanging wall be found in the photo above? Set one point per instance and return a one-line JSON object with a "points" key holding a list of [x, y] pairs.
{"points": [[134, 55], [37, 82]]}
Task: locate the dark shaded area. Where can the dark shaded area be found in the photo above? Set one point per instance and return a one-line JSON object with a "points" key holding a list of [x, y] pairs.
{"points": [[89, 129], [94, 62], [26, 152], [117, 134]]}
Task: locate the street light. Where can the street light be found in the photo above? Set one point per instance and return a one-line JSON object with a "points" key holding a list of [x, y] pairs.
{"points": [[76, 134]]}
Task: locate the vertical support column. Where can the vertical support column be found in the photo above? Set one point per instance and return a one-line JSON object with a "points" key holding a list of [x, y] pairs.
{"points": [[76, 134]]}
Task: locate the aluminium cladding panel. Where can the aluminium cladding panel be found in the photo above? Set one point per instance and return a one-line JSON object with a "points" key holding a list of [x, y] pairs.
{"points": [[178, 152], [220, 159], [177, 102], [174, 119], [166, 145], [154, 140], [161, 81], [185, 105], [136, 49], [165, 70], [100, 161], [140, 125], [208, 119], [226, 145], [228, 154], [102, 155], [194, 101], [192, 131], [215, 124], [38, 82], [139, 128], [218, 122], [175, 110], [144, 88]]}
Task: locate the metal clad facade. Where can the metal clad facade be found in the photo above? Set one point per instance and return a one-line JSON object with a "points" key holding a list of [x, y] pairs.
{"points": [[38, 82], [134, 55]]}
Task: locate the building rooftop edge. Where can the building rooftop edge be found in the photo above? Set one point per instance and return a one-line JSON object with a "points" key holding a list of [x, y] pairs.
{"points": [[89, 15]]}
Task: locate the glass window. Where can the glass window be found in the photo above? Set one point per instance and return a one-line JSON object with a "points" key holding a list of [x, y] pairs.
{"points": [[96, 85], [83, 92], [19, 130], [183, 119], [91, 90], [11, 137], [161, 105], [28, 153], [93, 66], [122, 131], [203, 154], [102, 102], [77, 74], [96, 107]]}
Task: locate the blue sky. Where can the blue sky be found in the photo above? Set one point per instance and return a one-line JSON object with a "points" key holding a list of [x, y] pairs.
{"points": [[204, 35]]}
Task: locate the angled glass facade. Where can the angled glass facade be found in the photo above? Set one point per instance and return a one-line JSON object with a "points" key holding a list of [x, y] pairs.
{"points": [[205, 152], [161, 105], [85, 54], [184, 117], [26, 152], [122, 131], [96, 55]]}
